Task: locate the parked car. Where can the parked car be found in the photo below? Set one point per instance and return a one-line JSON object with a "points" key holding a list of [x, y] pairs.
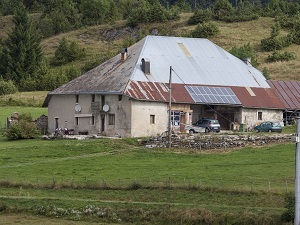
{"points": [[205, 125], [269, 126]]}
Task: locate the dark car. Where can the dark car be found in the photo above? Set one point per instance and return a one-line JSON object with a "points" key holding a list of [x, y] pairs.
{"points": [[268, 126], [208, 124]]}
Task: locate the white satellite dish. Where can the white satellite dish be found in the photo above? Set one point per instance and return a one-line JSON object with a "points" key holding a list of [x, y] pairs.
{"points": [[105, 108], [77, 108]]}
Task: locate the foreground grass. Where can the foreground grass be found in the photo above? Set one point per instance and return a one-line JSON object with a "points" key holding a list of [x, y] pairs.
{"points": [[132, 184], [116, 161]]}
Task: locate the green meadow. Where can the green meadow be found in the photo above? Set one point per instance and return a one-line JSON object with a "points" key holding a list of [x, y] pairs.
{"points": [[120, 181]]}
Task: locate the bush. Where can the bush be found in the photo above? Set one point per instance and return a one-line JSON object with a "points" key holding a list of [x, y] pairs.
{"points": [[67, 52], [245, 51], [284, 56], [23, 128], [288, 215], [266, 73], [275, 43], [205, 30], [7, 87], [200, 16]]}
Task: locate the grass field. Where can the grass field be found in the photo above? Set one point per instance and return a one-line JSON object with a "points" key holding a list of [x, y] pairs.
{"points": [[117, 175]]}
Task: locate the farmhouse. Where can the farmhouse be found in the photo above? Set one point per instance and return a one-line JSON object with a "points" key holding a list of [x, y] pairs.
{"points": [[129, 95]]}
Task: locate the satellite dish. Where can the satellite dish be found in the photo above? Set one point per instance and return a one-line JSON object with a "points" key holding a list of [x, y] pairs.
{"points": [[105, 108], [77, 108]]}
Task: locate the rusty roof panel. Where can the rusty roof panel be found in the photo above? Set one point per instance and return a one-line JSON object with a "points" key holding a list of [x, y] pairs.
{"points": [[154, 91], [289, 93], [264, 98]]}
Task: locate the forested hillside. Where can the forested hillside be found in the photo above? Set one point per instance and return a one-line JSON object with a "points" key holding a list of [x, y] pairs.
{"points": [[47, 43]]}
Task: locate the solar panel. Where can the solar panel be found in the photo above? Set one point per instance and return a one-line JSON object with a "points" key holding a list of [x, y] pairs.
{"points": [[213, 95]]}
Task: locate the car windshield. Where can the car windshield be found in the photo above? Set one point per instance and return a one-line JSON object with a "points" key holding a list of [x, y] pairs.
{"points": [[276, 124], [214, 121]]}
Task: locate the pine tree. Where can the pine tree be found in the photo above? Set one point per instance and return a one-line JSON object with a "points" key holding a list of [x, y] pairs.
{"points": [[22, 54]]}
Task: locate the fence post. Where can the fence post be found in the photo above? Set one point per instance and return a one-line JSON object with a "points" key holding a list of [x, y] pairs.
{"points": [[286, 186], [269, 186], [200, 183]]}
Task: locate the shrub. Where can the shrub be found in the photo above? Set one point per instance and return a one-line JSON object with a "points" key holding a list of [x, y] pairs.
{"points": [[284, 56], [7, 87], [245, 51], [24, 128], [200, 16], [205, 30], [67, 52], [288, 215], [266, 73], [275, 43]]}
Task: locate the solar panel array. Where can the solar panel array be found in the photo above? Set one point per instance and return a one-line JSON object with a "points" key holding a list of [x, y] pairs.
{"points": [[213, 95]]}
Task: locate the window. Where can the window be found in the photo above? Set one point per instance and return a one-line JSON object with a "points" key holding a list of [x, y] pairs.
{"points": [[56, 123], [93, 98], [76, 120], [259, 115], [111, 119], [152, 119], [102, 100], [77, 98], [120, 97], [175, 118], [93, 120]]}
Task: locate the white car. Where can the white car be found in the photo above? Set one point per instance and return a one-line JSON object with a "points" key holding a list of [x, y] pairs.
{"points": [[194, 129]]}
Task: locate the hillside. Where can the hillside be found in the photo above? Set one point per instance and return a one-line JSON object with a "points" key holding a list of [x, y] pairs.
{"points": [[104, 41]]}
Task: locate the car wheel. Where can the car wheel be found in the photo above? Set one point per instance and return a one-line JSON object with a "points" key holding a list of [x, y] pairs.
{"points": [[269, 130], [191, 131], [206, 130], [256, 131]]}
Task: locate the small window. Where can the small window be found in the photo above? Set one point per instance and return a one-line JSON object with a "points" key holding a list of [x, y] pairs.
{"points": [[56, 123], [111, 119], [93, 98], [93, 120], [77, 98], [120, 98], [152, 119], [76, 120], [103, 100], [259, 115]]}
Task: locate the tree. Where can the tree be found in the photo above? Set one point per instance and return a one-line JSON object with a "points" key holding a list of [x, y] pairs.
{"points": [[22, 54], [59, 16], [94, 11], [222, 8]]}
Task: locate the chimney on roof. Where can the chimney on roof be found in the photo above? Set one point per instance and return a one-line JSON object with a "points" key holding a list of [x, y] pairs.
{"points": [[124, 54], [247, 60], [146, 65]]}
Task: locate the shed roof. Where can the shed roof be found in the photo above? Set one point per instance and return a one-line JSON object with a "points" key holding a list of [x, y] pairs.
{"points": [[288, 92]]}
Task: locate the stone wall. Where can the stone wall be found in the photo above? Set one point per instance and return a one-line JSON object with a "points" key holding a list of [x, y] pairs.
{"points": [[213, 141]]}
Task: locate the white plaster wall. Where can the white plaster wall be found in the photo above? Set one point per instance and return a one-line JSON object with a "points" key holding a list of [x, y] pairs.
{"points": [[250, 116], [122, 111], [63, 108], [140, 117]]}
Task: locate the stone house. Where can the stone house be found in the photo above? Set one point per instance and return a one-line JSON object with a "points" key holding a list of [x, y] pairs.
{"points": [[129, 95]]}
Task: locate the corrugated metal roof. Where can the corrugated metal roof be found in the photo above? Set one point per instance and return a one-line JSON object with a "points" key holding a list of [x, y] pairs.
{"points": [[195, 61], [264, 97], [288, 92]]}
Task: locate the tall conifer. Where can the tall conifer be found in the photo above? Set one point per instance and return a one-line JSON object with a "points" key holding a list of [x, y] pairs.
{"points": [[22, 54]]}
